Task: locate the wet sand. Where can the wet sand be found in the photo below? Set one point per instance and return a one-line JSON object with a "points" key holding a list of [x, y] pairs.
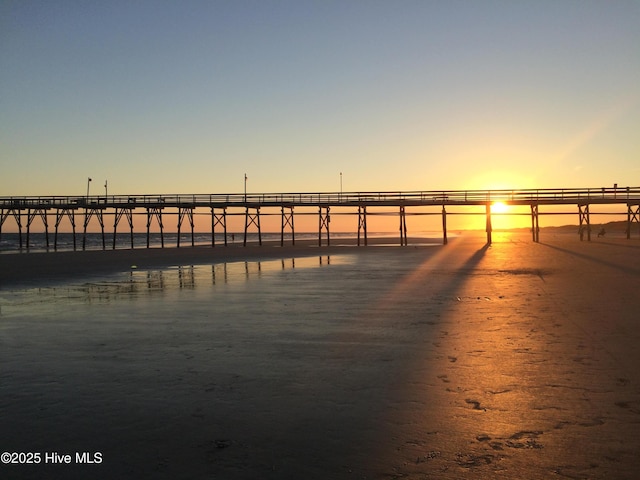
{"points": [[36, 268], [517, 360]]}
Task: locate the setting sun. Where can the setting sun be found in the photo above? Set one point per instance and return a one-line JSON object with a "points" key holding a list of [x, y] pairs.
{"points": [[499, 207]]}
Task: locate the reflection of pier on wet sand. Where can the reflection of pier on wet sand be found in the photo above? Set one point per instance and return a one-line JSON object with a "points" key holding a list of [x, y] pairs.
{"points": [[38, 267], [502, 361], [158, 280]]}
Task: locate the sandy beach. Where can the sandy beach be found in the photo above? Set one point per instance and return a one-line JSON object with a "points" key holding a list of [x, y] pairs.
{"points": [[464, 361]]}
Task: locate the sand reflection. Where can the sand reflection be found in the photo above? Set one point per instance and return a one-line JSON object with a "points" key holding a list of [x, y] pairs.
{"points": [[136, 283], [524, 365]]}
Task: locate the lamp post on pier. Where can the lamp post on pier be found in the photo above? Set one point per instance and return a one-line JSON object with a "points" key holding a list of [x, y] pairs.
{"points": [[88, 184], [106, 193], [245, 187]]}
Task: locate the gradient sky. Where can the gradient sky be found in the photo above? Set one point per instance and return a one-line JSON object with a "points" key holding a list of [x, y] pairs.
{"points": [[188, 96]]}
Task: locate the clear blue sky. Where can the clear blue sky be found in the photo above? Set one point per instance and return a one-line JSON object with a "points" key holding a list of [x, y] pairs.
{"points": [[188, 96]]}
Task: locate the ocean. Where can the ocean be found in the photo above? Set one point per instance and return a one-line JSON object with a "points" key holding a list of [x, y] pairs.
{"points": [[11, 242]]}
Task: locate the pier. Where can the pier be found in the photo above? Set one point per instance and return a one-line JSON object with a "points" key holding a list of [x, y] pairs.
{"points": [[119, 210]]}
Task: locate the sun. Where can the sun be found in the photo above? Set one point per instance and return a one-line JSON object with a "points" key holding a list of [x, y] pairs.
{"points": [[499, 207]]}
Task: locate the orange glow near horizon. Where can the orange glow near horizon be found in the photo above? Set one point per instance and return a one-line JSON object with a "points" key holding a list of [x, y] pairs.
{"points": [[343, 220]]}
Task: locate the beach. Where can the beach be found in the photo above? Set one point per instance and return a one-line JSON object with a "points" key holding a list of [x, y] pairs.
{"points": [[37, 268], [466, 360]]}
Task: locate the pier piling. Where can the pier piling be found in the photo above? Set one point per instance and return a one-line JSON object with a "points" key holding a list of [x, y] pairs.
{"points": [[128, 213], [445, 239], [252, 219], [60, 214], [489, 228], [362, 223], [88, 213], [403, 226], [323, 223], [182, 213], [633, 216], [535, 226], [287, 221], [218, 219], [31, 215], [585, 222], [155, 212]]}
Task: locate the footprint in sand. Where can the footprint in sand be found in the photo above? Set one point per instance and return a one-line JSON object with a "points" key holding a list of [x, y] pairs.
{"points": [[475, 404]]}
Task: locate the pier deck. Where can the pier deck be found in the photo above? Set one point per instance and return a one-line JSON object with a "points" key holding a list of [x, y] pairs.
{"points": [[25, 209]]}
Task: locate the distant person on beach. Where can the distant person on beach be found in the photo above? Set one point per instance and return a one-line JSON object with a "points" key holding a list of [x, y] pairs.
{"points": [[601, 233]]}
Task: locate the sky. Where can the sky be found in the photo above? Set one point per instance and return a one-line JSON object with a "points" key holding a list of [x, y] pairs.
{"points": [[189, 96]]}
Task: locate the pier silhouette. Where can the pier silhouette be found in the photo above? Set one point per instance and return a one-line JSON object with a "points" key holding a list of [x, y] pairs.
{"points": [[25, 209]]}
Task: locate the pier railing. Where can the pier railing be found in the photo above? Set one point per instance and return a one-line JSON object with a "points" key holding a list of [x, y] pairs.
{"points": [[390, 198]]}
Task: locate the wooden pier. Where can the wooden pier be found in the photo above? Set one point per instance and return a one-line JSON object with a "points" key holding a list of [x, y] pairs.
{"points": [[156, 208]]}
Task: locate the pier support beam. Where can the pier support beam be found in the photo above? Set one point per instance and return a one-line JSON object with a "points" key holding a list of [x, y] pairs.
{"points": [[155, 212], [88, 213], [15, 213], [362, 223], [403, 227], [60, 214], [185, 212], [535, 226], [489, 228], [31, 215], [218, 219], [633, 216], [3, 217], [585, 223], [444, 226], [323, 223], [128, 212], [287, 221], [252, 219]]}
